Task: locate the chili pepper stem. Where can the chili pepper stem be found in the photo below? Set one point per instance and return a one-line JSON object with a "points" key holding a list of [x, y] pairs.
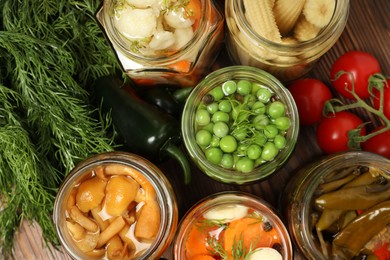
{"points": [[176, 153]]}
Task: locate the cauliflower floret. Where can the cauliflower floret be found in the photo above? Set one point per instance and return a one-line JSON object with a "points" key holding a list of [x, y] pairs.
{"points": [[183, 36], [162, 40], [136, 23], [177, 18]]}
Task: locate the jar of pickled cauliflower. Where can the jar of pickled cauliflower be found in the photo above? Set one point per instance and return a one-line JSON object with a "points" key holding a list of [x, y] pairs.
{"points": [[163, 42], [283, 37], [115, 205]]}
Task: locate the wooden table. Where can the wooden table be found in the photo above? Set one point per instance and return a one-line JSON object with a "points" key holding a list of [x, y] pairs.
{"points": [[368, 29]]}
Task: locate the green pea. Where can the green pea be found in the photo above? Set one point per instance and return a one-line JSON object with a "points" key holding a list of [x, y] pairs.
{"points": [[227, 161], [208, 127], [245, 165], [258, 108], [270, 131], [220, 116], [269, 151], [240, 133], [264, 95], [225, 106], [283, 123], [249, 100], [202, 117], [212, 108], [260, 139], [203, 137], [214, 155], [229, 87], [244, 87], [280, 141], [217, 93], [255, 87], [214, 141], [241, 149], [228, 144], [220, 129], [260, 121], [259, 162], [253, 152], [276, 109]]}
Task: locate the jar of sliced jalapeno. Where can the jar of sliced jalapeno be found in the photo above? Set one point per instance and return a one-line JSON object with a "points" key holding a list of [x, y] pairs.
{"points": [[240, 124], [339, 207]]}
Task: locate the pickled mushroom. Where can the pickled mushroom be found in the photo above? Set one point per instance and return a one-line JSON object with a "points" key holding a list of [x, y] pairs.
{"points": [[120, 192], [148, 222], [90, 194]]}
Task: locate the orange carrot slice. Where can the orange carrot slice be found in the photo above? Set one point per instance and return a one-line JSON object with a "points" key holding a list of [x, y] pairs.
{"points": [[194, 10], [251, 232], [196, 243]]}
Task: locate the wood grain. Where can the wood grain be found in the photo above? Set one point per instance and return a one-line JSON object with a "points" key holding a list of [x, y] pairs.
{"points": [[368, 29]]}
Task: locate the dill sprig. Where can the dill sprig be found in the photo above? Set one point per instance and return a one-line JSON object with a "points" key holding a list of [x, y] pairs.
{"points": [[50, 53], [24, 195]]}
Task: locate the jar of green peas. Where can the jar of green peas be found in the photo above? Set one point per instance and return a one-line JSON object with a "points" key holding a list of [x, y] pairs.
{"points": [[240, 124]]}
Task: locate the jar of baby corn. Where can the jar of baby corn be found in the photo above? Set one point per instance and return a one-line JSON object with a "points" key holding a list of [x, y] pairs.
{"points": [[283, 37]]}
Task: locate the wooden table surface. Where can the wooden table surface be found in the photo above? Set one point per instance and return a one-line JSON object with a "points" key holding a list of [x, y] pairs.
{"points": [[368, 29]]}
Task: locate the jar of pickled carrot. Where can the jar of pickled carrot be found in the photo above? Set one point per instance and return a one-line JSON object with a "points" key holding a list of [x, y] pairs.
{"points": [[338, 207], [115, 205], [163, 42], [285, 38], [232, 225]]}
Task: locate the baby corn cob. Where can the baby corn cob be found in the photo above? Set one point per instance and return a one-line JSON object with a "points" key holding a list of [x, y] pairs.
{"points": [[304, 31], [319, 12], [286, 14], [260, 16]]}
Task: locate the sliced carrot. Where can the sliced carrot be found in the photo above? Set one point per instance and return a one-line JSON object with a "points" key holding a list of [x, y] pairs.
{"points": [[194, 9], [252, 234], [181, 66], [196, 243]]}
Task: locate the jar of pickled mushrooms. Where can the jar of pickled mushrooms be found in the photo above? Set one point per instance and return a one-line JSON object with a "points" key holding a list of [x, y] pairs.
{"points": [[283, 37], [115, 205], [339, 207], [163, 42]]}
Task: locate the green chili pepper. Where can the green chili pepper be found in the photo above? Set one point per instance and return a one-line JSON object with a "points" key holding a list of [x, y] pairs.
{"points": [[353, 198], [350, 240], [168, 99], [145, 129]]}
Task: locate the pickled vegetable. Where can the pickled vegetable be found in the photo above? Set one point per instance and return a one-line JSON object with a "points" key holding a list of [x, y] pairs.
{"points": [[241, 125], [354, 213], [113, 213]]}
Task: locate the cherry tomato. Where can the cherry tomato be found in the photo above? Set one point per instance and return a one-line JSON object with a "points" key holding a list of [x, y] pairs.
{"points": [[361, 65], [332, 131], [310, 96], [386, 100], [379, 144]]}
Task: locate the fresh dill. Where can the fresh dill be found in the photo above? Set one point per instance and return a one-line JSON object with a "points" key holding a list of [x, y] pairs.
{"points": [[50, 53]]}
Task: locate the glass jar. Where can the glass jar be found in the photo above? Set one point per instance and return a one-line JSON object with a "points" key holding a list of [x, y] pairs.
{"points": [[248, 211], [101, 169], [303, 200], [215, 80], [183, 65], [288, 59]]}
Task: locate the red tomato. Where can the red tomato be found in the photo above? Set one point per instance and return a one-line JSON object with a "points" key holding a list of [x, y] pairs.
{"points": [[332, 132], [379, 144], [310, 96], [361, 65], [386, 100]]}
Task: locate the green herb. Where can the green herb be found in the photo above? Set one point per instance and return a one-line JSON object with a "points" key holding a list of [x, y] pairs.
{"points": [[50, 52]]}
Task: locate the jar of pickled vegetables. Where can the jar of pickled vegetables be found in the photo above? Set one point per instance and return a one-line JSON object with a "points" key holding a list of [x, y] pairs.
{"points": [[115, 205], [283, 37], [240, 124], [232, 225], [339, 207], [163, 42]]}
